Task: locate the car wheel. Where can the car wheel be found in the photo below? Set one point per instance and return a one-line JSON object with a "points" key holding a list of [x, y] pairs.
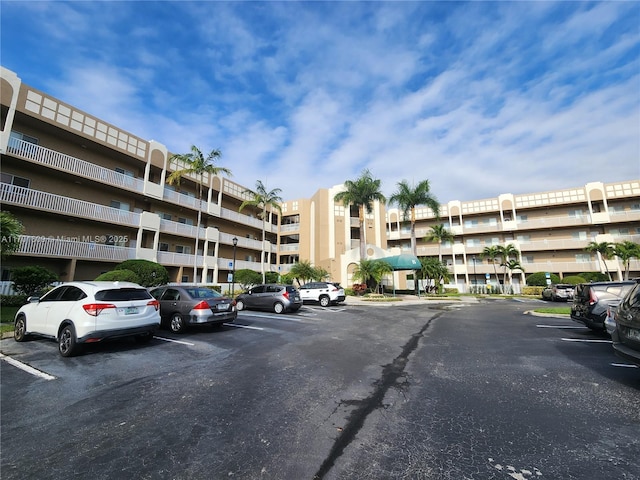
{"points": [[177, 323], [239, 305], [325, 301], [67, 341], [20, 329], [278, 307]]}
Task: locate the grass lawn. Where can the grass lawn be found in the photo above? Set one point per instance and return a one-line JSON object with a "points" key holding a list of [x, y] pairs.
{"points": [[7, 315], [555, 310]]}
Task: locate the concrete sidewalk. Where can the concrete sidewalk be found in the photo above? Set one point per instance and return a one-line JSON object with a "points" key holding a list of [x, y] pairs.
{"points": [[407, 299]]}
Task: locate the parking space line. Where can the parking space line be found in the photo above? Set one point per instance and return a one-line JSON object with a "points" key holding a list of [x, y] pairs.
{"points": [[237, 325], [624, 365], [564, 327], [174, 341], [23, 366], [586, 340]]}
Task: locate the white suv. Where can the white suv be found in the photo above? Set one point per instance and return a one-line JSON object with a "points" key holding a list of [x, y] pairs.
{"points": [[87, 312], [325, 293]]}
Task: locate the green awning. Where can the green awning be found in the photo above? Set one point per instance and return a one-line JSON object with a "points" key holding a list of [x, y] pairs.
{"points": [[403, 262]]}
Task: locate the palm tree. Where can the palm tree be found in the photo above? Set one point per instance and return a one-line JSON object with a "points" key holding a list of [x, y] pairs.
{"points": [[371, 270], [604, 250], [432, 269], [195, 163], [263, 199], [439, 234], [303, 272], [361, 193], [506, 253], [492, 253], [407, 198], [625, 251], [512, 265], [10, 230]]}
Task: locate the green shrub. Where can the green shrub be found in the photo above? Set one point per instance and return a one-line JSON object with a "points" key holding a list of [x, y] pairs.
{"points": [[574, 279], [150, 274], [595, 277], [13, 300], [32, 280], [119, 276], [539, 279], [534, 291]]}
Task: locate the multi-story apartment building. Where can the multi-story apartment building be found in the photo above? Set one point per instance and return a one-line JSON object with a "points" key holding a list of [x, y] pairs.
{"points": [[91, 195]]}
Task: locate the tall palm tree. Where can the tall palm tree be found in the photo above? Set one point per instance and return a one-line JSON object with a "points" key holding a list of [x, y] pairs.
{"points": [[372, 270], [512, 265], [604, 250], [361, 193], [439, 233], [195, 163], [432, 269], [263, 199], [10, 230], [507, 252], [407, 198], [492, 253], [625, 251]]}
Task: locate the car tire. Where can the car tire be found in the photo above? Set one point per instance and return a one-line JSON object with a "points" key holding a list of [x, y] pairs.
{"points": [[67, 345], [20, 329], [239, 305], [278, 307], [325, 301], [177, 323]]}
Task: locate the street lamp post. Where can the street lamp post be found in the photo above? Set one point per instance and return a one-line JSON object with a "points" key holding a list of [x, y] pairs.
{"points": [[233, 271]]}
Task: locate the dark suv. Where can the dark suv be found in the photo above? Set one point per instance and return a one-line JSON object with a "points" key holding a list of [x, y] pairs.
{"points": [[278, 298], [590, 301], [626, 336]]}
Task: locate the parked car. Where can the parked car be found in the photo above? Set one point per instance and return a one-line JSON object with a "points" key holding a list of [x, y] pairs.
{"points": [[558, 292], [626, 337], [77, 313], [591, 300], [181, 306], [325, 293], [610, 319], [278, 298]]}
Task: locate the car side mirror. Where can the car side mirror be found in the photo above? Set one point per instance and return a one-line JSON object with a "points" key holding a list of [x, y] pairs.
{"points": [[33, 299]]}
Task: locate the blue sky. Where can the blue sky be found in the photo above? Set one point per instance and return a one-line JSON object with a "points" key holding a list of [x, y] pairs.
{"points": [[479, 98]]}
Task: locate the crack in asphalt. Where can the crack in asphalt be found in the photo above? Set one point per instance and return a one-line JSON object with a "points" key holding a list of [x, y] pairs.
{"points": [[391, 373]]}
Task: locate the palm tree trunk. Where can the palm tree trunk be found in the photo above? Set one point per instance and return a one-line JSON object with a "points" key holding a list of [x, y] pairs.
{"points": [[413, 238], [363, 243], [264, 228]]}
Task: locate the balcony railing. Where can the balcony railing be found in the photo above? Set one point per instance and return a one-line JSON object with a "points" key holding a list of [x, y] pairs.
{"points": [[49, 202], [77, 167], [62, 248]]}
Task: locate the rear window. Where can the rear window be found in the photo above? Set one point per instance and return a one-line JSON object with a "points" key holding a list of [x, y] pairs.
{"points": [[291, 289], [202, 293], [122, 294]]}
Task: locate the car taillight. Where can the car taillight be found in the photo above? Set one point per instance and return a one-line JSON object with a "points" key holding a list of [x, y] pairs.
{"points": [[286, 295], [333, 288], [154, 303], [233, 303], [94, 309], [593, 298], [202, 306]]}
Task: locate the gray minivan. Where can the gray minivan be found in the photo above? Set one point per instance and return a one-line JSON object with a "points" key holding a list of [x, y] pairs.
{"points": [[274, 297]]}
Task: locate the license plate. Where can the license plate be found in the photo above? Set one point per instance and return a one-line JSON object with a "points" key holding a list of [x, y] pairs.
{"points": [[634, 334], [130, 310], [222, 306]]}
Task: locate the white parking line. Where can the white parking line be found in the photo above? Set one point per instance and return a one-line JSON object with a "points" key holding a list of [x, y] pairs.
{"points": [[237, 325], [564, 327], [586, 340], [275, 317], [625, 365], [27, 368], [174, 341]]}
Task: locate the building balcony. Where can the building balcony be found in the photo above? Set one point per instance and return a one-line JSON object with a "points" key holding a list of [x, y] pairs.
{"points": [[59, 247], [290, 247]]}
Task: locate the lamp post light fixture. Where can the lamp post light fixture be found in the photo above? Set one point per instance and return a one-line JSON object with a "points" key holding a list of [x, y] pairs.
{"points": [[233, 271]]}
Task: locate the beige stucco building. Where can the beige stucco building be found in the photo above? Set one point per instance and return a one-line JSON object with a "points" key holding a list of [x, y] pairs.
{"points": [[91, 195]]}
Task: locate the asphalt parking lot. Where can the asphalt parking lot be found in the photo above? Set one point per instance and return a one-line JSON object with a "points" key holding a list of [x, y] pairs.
{"points": [[412, 390]]}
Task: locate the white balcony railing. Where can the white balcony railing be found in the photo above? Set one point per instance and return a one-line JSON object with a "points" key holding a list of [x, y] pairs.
{"points": [[49, 202], [77, 167], [62, 248]]}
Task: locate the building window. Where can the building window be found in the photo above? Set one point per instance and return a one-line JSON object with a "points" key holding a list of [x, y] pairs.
{"points": [[521, 218], [185, 221], [119, 205], [163, 247], [164, 216], [583, 258], [124, 172], [183, 249], [17, 181], [24, 138]]}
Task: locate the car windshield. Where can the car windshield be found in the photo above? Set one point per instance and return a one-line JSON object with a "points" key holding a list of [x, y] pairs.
{"points": [[202, 293], [122, 294]]}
